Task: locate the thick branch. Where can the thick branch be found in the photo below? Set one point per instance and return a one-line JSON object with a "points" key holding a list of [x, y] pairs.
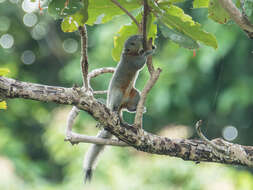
{"points": [[195, 150], [236, 15]]}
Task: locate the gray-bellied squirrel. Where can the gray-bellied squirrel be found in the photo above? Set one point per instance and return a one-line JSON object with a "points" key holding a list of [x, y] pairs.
{"points": [[121, 92]]}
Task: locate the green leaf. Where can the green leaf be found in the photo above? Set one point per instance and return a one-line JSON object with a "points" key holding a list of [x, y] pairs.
{"points": [[4, 71], [174, 17], [3, 105], [101, 11], [63, 8], [200, 3], [71, 23], [248, 7], [168, 2], [128, 30], [217, 13], [177, 37]]}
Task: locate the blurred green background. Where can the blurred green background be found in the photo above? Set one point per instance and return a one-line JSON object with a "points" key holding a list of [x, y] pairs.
{"points": [[214, 85]]}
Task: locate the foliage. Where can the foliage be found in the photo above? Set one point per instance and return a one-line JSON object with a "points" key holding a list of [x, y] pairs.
{"points": [[3, 105], [248, 8], [217, 13], [214, 86], [4, 71]]}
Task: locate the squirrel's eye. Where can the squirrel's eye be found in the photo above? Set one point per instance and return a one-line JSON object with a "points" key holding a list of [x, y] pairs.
{"points": [[132, 43], [127, 50], [141, 51]]}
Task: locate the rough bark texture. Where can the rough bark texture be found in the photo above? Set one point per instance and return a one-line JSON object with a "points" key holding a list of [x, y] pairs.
{"points": [[195, 150]]}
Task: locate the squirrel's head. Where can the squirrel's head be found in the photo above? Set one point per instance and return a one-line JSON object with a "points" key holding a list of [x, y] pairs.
{"points": [[133, 44]]}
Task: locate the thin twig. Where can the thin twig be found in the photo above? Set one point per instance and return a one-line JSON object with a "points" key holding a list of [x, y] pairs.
{"points": [[100, 92], [237, 16], [202, 136], [150, 66], [78, 138], [100, 71], [145, 91], [84, 56], [127, 12], [144, 24]]}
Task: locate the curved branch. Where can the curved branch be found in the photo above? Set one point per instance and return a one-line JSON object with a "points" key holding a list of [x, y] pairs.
{"points": [[194, 150], [140, 107], [100, 71]]}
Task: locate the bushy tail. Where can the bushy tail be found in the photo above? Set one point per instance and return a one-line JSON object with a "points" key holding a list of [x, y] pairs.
{"points": [[91, 156]]}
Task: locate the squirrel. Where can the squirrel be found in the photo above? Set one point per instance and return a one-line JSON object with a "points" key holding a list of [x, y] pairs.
{"points": [[121, 92]]}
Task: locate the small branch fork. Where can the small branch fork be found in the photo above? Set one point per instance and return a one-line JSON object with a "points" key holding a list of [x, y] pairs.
{"points": [[72, 137], [154, 75], [224, 149]]}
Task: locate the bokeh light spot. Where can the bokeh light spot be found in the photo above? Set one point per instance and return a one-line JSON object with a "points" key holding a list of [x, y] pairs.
{"points": [[230, 133], [70, 45], [29, 6], [28, 57], [30, 19], [39, 31], [6, 41]]}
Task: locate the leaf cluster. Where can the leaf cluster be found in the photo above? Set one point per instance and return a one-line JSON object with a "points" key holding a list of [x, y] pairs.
{"points": [[173, 23]]}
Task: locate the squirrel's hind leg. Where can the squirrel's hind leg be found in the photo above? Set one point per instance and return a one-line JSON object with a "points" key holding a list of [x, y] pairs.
{"points": [[133, 100]]}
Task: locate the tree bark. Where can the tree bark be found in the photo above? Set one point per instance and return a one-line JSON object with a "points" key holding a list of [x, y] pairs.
{"points": [[194, 150]]}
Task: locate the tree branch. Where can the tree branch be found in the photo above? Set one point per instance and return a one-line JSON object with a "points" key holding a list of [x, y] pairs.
{"points": [[97, 72], [224, 149], [150, 65], [75, 138], [145, 91], [100, 92], [195, 150], [237, 16], [70, 121], [84, 56], [144, 24], [75, 111], [127, 12]]}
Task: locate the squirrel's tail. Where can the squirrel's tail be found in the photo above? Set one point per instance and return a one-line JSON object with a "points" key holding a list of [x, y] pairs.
{"points": [[91, 156]]}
